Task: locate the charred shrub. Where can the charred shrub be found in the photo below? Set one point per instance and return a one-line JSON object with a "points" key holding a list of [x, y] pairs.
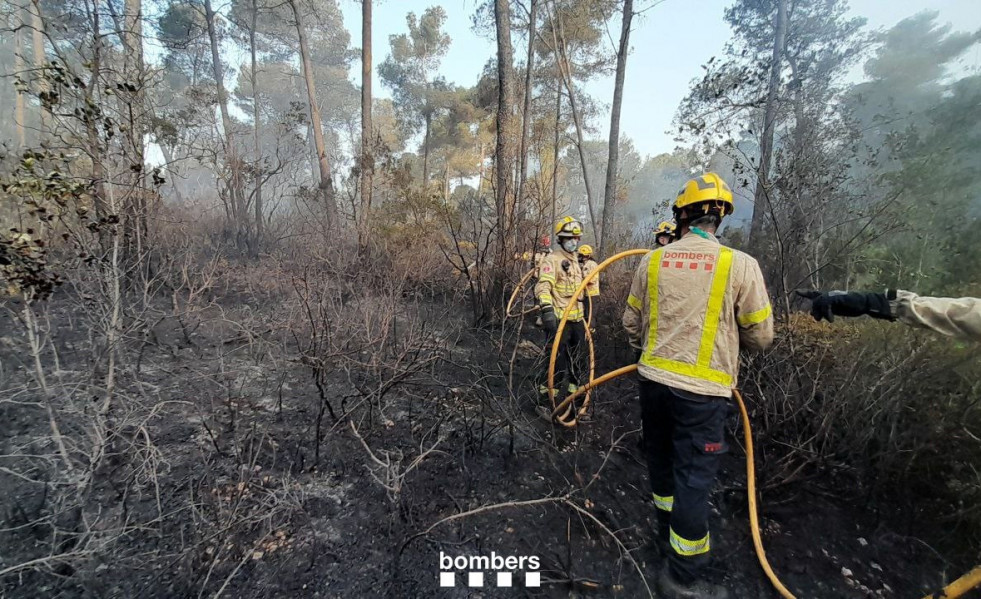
{"points": [[884, 410]]}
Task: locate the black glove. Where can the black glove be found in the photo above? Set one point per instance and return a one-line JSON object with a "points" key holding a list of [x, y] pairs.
{"points": [[827, 305], [636, 353], [549, 322]]}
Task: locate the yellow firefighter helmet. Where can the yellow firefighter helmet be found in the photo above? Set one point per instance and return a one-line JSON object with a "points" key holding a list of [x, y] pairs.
{"points": [[707, 189], [568, 227]]}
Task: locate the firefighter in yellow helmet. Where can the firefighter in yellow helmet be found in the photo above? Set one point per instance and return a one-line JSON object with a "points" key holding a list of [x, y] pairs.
{"points": [[664, 233], [692, 306], [588, 265], [559, 275]]}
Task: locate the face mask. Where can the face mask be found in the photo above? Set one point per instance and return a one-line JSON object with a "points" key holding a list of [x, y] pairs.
{"points": [[570, 245]]}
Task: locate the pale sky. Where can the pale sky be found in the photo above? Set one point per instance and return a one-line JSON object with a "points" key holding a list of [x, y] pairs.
{"points": [[665, 55]]}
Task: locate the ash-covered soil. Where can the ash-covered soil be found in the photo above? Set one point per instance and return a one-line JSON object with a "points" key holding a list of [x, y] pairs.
{"points": [[231, 495]]}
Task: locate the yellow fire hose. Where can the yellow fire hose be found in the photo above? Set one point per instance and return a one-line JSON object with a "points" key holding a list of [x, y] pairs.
{"points": [[514, 295], [565, 317], [952, 591], [960, 586]]}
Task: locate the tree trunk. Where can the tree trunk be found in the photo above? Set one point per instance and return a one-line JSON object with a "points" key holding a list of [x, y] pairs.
{"points": [[254, 77], [529, 84], [168, 155], [770, 115], [576, 118], [504, 155], [555, 153], [326, 185], [92, 134], [136, 207], [367, 145], [19, 69], [235, 189], [425, 149], [446, 183], [37, 36], [609, 196], [480, 169]]}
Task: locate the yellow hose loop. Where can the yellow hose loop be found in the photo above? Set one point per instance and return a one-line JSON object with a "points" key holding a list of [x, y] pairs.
{"points": [[514, 295], [587, 389], [592, 384], [754, 523], [960, 586], [592, 368], [568, 310]]}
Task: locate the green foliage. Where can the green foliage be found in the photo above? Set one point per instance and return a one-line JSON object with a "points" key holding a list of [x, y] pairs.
{"points": [[930, 163], [41, 190], [409, 69]]}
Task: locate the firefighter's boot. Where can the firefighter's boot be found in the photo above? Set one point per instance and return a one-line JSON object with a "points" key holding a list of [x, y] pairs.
{"points": [[671, 588]]}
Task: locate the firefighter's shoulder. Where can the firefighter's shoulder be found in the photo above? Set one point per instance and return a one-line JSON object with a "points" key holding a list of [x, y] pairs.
{"points": [[746, 263], [550, 263]]}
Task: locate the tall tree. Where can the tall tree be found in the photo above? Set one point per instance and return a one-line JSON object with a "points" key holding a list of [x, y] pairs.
{"points": [[20, 110], [560, 48], [574, 35], [609, 197], [769, 118], [326, 185], [231, 153], [504, 155], [555, 151], [134, 105], [367, 143], [794, 54], [409, 71], [37, 39], [256, 123], [526, 115]]}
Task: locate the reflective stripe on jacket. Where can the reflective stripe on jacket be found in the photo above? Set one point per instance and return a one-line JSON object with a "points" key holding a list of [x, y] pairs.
{"points": [[959, 317], [691, 306], [559, 275]]}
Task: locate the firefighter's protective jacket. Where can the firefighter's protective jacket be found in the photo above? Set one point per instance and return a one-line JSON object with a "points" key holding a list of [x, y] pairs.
{"points": [[593, 288], [692, 305], [559, 275], [959, 317]]}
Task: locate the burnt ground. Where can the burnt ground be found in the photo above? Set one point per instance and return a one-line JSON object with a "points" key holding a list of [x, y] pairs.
{"points": [[237, 503]]}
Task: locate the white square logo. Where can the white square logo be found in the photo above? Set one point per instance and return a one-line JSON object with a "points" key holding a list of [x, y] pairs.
{"points": [[533, 579], [503, 579], [447, 579], [475, 579]]}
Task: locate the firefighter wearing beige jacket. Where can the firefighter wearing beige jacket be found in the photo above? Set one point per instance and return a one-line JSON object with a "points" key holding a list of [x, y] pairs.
{"points": [[692, 306]]}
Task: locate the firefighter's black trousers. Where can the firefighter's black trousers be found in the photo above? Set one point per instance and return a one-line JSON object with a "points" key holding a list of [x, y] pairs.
{"points": [[569, 359], [683, 438]]}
